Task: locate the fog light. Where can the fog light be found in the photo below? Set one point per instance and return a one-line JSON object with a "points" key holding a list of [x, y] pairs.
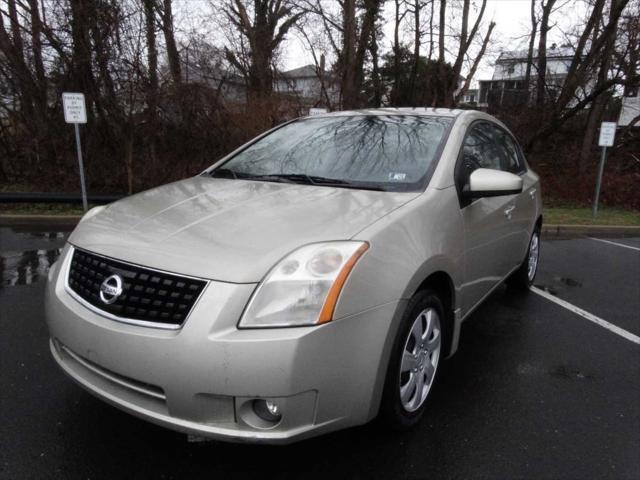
{"points": [[267, 410]]}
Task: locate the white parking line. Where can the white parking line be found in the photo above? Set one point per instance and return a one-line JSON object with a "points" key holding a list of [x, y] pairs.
{"points": [[614, 243], [589, 316]]}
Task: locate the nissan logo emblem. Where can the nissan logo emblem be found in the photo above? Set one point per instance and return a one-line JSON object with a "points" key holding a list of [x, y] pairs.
{"points": [[111, 289]]}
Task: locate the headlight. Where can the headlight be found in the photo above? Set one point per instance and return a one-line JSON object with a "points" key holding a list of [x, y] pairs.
{"points": [[303, 288]]}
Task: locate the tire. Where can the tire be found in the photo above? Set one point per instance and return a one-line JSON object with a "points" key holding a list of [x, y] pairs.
{"points": [[400, 408], [524, 277]]}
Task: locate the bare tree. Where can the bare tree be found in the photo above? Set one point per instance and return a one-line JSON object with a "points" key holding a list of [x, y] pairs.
{"points": [[264, 33], [441, 30], [352, 33], [532, 42], [627, 52], [173, 57], [588, 54], [399, 14], [466, 39], [599, 103], [475, 64], [542, 53]]}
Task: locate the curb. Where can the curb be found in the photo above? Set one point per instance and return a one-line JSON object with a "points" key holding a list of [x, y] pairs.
{"points": [[572, 231]]}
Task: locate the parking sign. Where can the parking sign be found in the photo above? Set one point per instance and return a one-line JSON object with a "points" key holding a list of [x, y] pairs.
{"points": [[607, 134], [74, 108]]}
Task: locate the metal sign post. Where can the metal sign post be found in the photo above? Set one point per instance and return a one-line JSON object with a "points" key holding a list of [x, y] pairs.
{"points": [[75, 112], [607, 136]]}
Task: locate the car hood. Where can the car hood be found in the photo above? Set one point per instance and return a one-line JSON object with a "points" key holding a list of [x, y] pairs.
{"points": [[228, 230]]}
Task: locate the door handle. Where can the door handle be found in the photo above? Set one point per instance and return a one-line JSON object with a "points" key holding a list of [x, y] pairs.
{"points": [[508, 211], [532, 193]]}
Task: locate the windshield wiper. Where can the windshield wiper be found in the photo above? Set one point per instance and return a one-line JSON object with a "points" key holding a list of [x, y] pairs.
{"points": [[323, 181], [299, 178], [336, 182]]}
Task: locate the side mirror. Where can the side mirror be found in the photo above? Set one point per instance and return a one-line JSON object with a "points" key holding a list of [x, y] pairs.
{"points": [[486, 182]]}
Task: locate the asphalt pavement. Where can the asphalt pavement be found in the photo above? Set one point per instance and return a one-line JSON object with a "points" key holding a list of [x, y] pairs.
{"points": [[535, 390]]}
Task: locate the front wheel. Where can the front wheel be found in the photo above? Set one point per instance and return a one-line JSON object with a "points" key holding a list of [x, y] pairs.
{"points": [[414, 362], [526, 273]]}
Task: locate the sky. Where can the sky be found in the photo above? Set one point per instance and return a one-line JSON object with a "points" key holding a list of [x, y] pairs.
{"points": [[512, 19]]}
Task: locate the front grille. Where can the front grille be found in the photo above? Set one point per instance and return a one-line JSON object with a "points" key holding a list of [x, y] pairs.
{"points": [[147, 295]]}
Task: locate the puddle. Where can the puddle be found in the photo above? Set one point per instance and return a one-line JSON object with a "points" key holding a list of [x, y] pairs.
{"points": [[570, 282], [27, 253], [569, 373], [25, 268]]}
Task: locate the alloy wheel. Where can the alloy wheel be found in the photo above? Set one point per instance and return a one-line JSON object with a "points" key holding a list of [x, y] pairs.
{"points": [[420, 358], [534, 252]]}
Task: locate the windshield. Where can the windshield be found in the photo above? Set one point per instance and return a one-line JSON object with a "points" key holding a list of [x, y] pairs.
{"points": [[379, 152]]}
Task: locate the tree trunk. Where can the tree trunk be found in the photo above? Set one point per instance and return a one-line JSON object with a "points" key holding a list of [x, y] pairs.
{"points": [[532, 42], [450, 85], [542, 56], [416, 50], [375, 73], [443, 19], [349, 89], [396, 55], [152, 65], [36, 48], [476, 62], [152, 48], [433, 5], [173, 56], [367, 31]]}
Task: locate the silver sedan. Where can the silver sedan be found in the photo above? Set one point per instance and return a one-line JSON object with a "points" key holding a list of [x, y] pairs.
{"points": [[310, 281]]}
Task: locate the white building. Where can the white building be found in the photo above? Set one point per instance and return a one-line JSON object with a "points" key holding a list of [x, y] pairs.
{"points": [[507, 85]]}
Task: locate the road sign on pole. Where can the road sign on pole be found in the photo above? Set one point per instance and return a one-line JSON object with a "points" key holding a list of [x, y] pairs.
{"points": [[606, 139], [317, 111], [75, 112]]}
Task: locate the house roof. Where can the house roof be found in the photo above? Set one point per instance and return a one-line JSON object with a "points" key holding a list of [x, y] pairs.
{"points": [[305, 71], [521, 55]]}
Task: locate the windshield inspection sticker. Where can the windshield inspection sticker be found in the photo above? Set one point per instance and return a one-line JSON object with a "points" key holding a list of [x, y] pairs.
{"points": [[397, 177]]}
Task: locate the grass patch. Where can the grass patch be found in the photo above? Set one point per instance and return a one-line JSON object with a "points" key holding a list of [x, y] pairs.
{"points": [[567, 215]]}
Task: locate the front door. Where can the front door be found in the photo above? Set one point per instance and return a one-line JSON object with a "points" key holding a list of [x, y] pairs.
{"points": [[492, 237]]}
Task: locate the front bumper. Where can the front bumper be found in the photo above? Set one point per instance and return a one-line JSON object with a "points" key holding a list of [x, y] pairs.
{"points": [[203, 378]]}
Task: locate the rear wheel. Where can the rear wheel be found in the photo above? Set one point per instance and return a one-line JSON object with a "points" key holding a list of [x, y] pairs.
{"points": [[414, 362], [526, 273]]}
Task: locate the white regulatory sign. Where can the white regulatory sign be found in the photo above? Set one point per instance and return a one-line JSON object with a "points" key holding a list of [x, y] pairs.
{"points": [[607, 134], [74, 108], [317, 111]]}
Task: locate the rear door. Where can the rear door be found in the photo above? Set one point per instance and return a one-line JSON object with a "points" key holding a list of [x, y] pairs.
{"points": [[492, 238]]}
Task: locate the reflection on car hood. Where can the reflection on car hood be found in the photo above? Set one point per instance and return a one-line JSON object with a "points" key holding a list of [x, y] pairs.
{"points": [[228, 230]]}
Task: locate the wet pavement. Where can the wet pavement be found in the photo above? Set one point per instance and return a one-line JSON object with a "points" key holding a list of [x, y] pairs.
{"points": [[535, 390]]}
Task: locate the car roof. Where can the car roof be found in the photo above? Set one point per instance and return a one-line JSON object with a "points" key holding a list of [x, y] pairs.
{"points": [[422, 111]]}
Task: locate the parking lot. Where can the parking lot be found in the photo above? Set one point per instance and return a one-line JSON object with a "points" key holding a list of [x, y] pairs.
{"points": [[546, 384]]}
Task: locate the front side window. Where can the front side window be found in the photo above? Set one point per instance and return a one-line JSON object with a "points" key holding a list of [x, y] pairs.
{"points": [[380, 152], [488, 146], [481, 148], [514, 160]]}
